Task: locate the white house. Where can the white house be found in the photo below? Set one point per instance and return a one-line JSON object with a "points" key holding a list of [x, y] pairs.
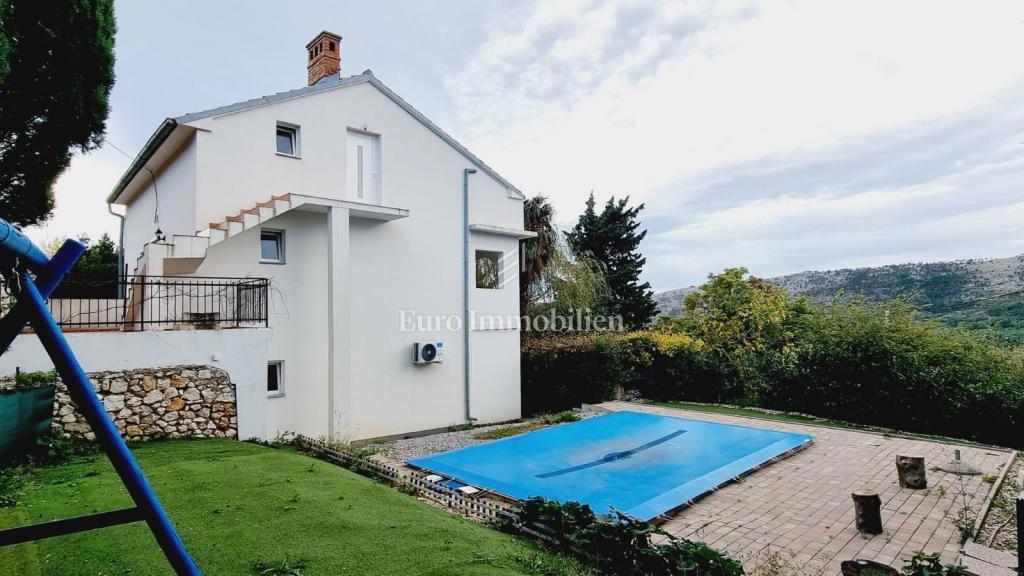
{"points": [[354, 205]]}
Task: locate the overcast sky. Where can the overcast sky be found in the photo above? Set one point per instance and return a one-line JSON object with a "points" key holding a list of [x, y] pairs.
{"points": [[780, 136]]}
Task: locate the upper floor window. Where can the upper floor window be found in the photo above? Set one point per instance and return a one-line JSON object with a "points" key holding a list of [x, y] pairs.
{"points": [[287, 139], [272, 246]]}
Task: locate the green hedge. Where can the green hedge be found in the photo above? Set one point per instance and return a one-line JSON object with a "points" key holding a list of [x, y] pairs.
{"points": [[865, 363], [883, 366], [559, 373]]}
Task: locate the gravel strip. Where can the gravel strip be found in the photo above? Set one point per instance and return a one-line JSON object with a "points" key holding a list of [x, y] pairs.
{"points": [[1003, 515], [401, 450]]}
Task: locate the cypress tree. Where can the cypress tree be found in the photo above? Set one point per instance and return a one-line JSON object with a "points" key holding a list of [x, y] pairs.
{"points": [[56, 72], [613, 237]]}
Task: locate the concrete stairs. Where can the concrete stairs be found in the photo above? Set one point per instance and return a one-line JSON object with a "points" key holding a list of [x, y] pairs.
{"points": [[194, 247]]}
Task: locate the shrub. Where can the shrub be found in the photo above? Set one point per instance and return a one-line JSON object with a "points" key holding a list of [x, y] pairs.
{"points": [[617, 544], [562, 372], [30, 380], [560, 417], [880, 364], [929, 565]]}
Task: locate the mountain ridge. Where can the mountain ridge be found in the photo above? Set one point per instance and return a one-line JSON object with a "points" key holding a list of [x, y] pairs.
{"points": [[976, 292]]}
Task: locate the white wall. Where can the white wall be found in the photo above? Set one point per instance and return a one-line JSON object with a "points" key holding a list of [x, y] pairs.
{"points": [[414, 263], [176, 185], [297, 317], [241, 353]]}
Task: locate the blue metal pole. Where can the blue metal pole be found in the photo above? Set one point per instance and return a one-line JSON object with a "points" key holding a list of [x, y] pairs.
{"points": [[84, 396], [46, 281], [12, 240]]}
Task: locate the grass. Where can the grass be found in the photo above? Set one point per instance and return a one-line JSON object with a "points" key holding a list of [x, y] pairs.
{"points": [[510, 430], [541, 422], [242, 508]]}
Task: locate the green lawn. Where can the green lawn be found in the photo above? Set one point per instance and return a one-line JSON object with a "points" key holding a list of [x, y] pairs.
{"points": [[237, 504]]}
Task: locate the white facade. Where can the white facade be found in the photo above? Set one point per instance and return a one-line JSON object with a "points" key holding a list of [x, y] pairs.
{"points": [[356, 262]]}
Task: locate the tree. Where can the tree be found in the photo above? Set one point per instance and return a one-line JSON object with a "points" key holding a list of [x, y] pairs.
{"points": [[737, 315], [538, 216], [552, 277], [56, 72], [613, 238], [95, 273]]}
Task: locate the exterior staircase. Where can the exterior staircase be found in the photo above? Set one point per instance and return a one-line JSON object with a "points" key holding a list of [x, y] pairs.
{"points": [[195, 246]]}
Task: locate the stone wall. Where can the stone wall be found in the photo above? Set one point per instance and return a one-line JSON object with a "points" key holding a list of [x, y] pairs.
{"points": [[172, 402]]}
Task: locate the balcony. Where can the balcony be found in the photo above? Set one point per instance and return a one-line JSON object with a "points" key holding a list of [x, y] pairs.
{"points": [[133, 303]]}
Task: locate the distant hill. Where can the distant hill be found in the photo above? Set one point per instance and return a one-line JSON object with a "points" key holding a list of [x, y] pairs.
{"points": [[976, 293]]}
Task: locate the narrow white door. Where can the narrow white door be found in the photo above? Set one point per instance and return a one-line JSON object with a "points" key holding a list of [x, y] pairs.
{"points": [[362, 169]]}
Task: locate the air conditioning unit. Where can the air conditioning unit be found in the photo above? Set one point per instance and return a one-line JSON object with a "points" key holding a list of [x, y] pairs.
{"points": [[427, 352]]}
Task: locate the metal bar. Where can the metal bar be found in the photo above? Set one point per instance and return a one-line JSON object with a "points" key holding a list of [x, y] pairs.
{"points": [[157, 300], [47, 280], [142, 302], [67, 526], [84, 396], [20, 247]]}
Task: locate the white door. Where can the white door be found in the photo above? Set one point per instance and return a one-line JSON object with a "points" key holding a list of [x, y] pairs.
{"points": [[363, 185]]}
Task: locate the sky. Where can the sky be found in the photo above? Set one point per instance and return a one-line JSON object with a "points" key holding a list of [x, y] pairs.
{"points": [[776, 135]]}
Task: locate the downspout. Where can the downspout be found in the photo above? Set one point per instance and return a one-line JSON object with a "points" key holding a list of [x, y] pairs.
{"points": [[465, 282], [120, 248]]}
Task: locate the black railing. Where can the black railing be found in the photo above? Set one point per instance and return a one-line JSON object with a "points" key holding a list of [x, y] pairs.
{"points": [[171, 302]]}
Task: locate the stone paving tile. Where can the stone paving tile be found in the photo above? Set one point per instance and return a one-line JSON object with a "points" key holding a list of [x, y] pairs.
{"points": [[799, 509]]}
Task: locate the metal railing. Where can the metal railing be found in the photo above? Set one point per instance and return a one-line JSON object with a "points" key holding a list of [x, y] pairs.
{"points": [[131, 303]]}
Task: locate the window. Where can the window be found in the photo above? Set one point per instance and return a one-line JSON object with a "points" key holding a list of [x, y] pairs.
{"points": [[275, 378], [488, 270], [272, 246], [287, 139]]}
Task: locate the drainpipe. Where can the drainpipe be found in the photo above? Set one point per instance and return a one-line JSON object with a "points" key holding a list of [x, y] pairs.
{"points": [[120, 248], [465, 281]]}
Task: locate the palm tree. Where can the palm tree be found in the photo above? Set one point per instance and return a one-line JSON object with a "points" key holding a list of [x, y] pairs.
{"points": [[538, 216]]}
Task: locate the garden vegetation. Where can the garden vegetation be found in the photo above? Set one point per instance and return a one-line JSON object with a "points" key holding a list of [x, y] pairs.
{"points": [[741, 340]]}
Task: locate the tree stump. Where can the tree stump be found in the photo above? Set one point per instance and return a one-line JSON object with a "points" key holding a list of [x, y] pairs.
{"points": [[867, 508], [867, 568], [911, 472]]}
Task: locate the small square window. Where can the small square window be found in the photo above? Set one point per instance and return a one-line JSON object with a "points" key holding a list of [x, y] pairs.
{"points": [[287, 139], [275, 378], [488, 269], [272, 246]]}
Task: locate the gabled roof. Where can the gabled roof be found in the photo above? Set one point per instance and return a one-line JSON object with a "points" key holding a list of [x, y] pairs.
{"points": [[327, 83]]}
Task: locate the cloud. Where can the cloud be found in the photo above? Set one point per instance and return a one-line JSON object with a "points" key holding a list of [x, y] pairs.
{"points": [[932, 192], [763, 113]]}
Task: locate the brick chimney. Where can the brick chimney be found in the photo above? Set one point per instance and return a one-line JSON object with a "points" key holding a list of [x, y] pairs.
{"points": [[324, 53]]}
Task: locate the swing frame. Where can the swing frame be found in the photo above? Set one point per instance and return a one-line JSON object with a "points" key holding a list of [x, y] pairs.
{"points": [[32, 277]]}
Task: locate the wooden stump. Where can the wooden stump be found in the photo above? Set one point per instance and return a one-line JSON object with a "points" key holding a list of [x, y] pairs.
{"points": [[867, 508], [911, 472]]}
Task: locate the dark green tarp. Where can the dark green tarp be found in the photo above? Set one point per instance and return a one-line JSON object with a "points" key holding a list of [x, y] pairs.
{"points": [[24, 416]]}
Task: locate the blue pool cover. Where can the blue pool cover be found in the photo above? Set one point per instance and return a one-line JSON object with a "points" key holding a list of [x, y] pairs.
{"points": [[638, 463]]}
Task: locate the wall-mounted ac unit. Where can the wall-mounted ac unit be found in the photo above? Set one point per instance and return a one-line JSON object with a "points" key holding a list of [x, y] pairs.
{"points": [[427, 352]]}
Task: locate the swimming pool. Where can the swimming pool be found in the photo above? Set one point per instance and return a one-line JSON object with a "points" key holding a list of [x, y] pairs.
{"points": [[639, 463]]}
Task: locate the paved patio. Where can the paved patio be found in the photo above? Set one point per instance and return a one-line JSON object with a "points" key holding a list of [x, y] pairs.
{"points": [[800, 510]]}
